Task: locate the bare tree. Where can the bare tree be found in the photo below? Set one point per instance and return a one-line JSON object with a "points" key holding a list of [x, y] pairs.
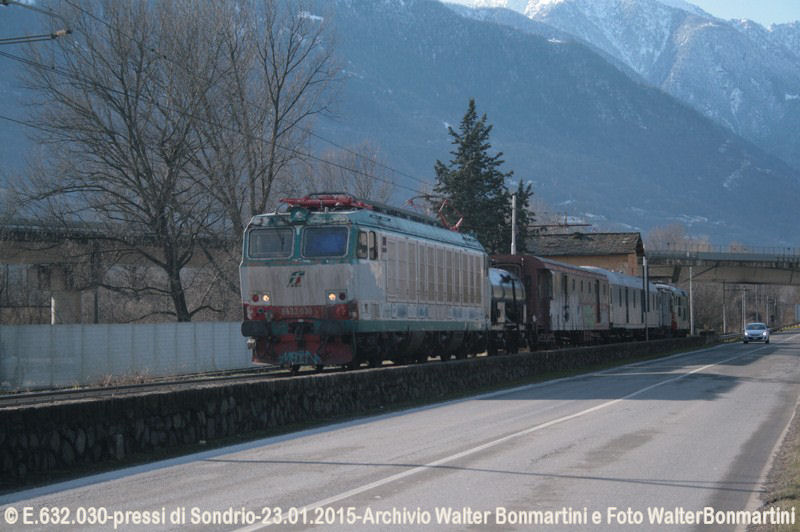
{"points": [[279, 66], [278, 59], [666, 237], [358, 170], [120, 120]]}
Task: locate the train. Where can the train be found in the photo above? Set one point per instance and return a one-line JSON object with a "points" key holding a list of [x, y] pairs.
{"points": [[330, 279]]}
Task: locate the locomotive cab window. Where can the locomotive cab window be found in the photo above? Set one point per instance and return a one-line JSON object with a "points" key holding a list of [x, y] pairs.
{"points": [[367, 245], [325, 241], [270, 243]]}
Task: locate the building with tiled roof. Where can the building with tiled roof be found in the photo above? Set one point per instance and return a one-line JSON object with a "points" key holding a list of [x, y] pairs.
{"points": [[619, 252]]}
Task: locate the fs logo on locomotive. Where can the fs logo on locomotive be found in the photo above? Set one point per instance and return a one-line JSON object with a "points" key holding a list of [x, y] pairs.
{"points": [[296, 279]]}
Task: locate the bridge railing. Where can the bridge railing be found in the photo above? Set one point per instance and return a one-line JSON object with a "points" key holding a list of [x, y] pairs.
{"points": [[737, 252]]}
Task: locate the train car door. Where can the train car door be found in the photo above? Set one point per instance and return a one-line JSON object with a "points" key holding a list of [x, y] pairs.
{"points": [[627, 307], [598, 317]]}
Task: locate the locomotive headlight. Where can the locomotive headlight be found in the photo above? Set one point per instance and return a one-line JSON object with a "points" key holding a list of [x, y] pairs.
{"points": [[334, 296], [261, 298]]}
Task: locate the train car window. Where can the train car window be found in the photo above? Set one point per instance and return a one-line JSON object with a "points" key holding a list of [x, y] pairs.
{"points": [[362, 250], [325, 241], [573, 285], [476, 272], [431, 275], [450, 276], [392, 280], [413, 278], [596, 300], [270, 243], [373, 245], [440, 274], [402, 269], [422, 269], [463, 279], [466, 278]]}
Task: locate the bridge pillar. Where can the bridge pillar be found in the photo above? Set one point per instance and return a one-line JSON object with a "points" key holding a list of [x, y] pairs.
{"points": [[65, 307], [65, 299]]}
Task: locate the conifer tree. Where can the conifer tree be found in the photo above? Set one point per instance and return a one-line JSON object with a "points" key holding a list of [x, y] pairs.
{"points": [[524, 217], [474, 185]]}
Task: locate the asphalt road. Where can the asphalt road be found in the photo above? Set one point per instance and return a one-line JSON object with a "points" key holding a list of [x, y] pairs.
{"points": [[614, 450]]}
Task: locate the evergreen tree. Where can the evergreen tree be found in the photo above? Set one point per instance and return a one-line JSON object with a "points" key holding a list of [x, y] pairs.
{"points": [[475, 188], [524, 217]]}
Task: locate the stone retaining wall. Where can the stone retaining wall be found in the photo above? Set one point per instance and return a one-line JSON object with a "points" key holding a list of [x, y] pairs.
{"points": [[36, 441]]}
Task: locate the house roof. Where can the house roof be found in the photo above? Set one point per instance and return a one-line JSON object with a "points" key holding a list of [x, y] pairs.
{"points": [[586, 244]]}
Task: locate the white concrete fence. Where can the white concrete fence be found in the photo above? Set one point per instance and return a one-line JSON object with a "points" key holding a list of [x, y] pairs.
{"points": [[53, 356]]}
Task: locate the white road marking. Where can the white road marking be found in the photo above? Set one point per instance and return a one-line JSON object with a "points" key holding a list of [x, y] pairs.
{"points": [[387, 480], [754, 502], [108, 476]]}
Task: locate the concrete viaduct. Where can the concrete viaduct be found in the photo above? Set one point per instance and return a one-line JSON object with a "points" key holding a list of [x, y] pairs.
{"points": [[779, 266]]}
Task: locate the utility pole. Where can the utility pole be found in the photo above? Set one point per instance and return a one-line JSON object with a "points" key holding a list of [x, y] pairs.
{"points": [[766, 309], [691, 304], [744, 308], [646, 298], [724, 315], [514, 224]]}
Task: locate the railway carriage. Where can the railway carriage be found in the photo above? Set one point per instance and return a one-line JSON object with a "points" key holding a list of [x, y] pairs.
{"points": [[334, 280], [566, 304], [508, 314], [675, 310], [625, 303]]}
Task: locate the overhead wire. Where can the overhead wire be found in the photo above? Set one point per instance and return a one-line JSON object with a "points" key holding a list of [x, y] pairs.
{"points": [[34, 38]]}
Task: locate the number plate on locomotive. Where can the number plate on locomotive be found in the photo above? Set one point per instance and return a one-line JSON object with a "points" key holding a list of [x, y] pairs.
{"points": [[300, 357]]}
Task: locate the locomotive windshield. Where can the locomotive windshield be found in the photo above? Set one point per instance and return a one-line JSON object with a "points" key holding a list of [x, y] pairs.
{"points": [[270, 243], [325, 241]]}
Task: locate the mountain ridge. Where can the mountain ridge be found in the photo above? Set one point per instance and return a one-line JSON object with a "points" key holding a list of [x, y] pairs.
{"points": [[736, 72], [593, 139]]}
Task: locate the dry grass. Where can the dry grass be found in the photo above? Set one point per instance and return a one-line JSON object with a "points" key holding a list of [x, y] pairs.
{"points": [[784, 481]]}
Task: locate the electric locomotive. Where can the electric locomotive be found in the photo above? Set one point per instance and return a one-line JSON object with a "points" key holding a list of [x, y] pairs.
{"points": [[333, 280]]}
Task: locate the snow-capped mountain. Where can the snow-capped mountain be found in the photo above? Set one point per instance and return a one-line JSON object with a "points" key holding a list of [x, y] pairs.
{"points": [[594, 140], [740, 74]]}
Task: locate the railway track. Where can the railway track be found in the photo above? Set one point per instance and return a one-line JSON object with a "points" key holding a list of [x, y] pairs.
{"points": [[155, 385], [166, 384]]}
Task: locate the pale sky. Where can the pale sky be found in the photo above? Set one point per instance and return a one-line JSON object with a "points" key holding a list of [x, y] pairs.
{"points": [[764, 12]]}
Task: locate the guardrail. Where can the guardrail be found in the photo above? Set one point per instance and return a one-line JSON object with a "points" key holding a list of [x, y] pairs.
{"points": [[770, 255], [735, 249]]}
